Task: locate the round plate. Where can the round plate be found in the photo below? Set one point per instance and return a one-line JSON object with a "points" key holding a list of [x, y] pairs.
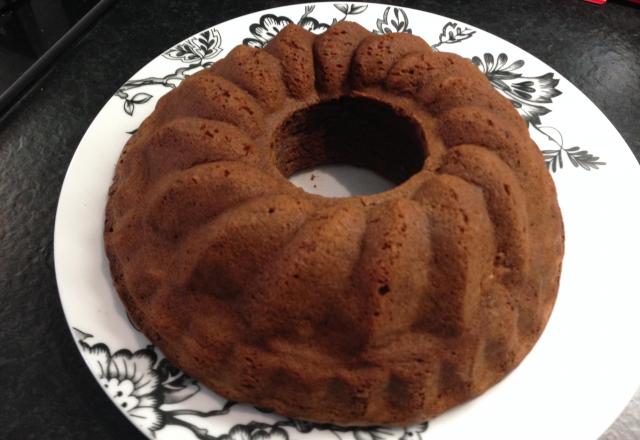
{"points": [[573, 384]]}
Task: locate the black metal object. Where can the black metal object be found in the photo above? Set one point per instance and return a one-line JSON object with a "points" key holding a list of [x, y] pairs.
{"points": [[34, 33]]}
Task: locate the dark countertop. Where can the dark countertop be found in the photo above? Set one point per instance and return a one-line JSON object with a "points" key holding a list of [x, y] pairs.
{"points": [[48, 392], [29, 28]]}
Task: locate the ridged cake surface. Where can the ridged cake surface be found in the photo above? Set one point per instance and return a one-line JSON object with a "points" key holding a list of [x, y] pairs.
{"points": [[380, 309]]}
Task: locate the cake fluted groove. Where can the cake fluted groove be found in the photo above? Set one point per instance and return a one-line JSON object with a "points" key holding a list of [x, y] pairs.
{"points": [[189, 198], [305, 304], [376, 54], [463, 249], [333, 51], [505, 201], [474, 125], [454, 91], [397, 236], [415, 69], [293, 46], [256, 71], [186, 142], [209, 96], [246, 236]]}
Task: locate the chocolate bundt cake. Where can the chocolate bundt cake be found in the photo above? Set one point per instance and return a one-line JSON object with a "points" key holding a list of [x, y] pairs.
{"points": [[379, 309]]}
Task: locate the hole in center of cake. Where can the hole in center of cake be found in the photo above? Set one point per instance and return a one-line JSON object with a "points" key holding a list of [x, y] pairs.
{"points": [[348, 146]]}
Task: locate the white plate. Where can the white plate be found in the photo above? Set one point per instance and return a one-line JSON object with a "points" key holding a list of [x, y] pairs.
{"points": [[576, 380]]}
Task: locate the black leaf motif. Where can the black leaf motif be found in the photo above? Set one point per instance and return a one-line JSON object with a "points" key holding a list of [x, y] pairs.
{"points": [[414, 432], [350, 9], [398, 23], [138, 98], [357, 9], [303, 426], [578, 157], [313, 25], [141, 98], [453, 33], [551, 158], [270, 25], [180, 394], [81, 336], [128, 107], [526, 93], [342, 7], [198, 49], [583, 159]]}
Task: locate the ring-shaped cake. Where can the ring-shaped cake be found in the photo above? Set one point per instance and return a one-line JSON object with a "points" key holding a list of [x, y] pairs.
{"points": [[380, 309]]}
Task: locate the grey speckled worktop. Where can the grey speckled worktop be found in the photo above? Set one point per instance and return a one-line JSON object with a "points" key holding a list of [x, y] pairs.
{"points": [[47, 393]]}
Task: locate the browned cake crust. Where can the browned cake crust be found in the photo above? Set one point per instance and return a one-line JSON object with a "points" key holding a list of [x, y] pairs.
{"points": [[381, 309]]}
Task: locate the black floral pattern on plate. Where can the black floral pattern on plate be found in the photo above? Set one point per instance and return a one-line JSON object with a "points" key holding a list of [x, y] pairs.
{"points": [[141, 384], [577, 156], [398, 22], [349, 9], [525, 93], [270, 25], [531, 96], [197, 52], [453, 33], [370, 433]]}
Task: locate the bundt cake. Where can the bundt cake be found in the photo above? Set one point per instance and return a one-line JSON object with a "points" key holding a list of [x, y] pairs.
{"points": [[380, 309]]}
